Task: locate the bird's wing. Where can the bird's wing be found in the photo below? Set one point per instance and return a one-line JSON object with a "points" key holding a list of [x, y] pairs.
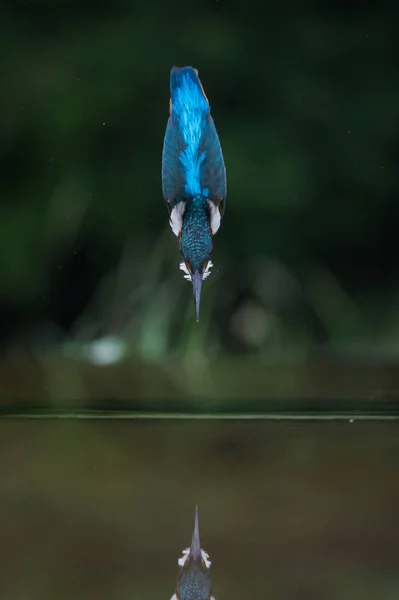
{"points": [[190, 116], [172, 175], [213, 176], [188, 107]]}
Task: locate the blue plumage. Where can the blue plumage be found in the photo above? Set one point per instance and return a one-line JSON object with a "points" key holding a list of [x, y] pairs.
{"points": [[196, 237], [193, 175], [194, 583], [189, 111]]}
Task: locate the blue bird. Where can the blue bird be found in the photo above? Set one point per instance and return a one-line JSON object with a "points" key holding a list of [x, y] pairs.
{"points": [[194, 582], [193, 176]]}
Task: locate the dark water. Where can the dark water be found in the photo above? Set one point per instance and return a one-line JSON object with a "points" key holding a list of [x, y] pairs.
{"points": [[288, 509]]}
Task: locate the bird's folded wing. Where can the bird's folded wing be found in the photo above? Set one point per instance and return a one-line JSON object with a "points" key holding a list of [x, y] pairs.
{"points": [[172, 175], [213, 176]]}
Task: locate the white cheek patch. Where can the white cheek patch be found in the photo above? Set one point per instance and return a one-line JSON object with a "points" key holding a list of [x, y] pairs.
{"points": [[187, 274], [207, 271], [176, 217], [215, 217], [186, 552]]}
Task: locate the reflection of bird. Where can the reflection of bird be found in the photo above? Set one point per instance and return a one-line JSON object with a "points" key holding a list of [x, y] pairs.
{"points": [[194, 582], [193, 175]]}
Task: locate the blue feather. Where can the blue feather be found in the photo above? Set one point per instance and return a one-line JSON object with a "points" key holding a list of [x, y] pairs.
{"points": [[196, 238], [192, 159], [194, 583], [214, 172], [190, 109], [172, 173]]}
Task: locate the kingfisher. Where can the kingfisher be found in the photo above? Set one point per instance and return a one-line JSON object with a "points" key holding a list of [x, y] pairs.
{"points": [[194, 581], [193, 176]]}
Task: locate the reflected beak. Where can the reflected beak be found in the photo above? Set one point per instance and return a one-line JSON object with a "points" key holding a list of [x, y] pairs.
{"points": [[196, 279], [195, 549]]}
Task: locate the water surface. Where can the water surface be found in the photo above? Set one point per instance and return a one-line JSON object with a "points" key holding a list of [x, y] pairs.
{"points": [[102, 509]]}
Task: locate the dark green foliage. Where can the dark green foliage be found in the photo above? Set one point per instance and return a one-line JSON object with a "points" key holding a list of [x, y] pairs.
{"points": [[306, 101]]}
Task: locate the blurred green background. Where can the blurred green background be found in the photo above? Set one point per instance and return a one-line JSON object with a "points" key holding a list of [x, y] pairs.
{"points": [[302, 302], [306, 101]]}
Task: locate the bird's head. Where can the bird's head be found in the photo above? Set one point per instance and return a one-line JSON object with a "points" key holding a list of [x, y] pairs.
{"points": [[196, 246], [194, 580]]}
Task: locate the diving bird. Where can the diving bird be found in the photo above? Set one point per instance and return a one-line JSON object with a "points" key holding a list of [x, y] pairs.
{"points": [[194, 582], [193, 176]]}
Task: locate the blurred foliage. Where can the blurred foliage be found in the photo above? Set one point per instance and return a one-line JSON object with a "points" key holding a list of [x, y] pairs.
{"points": [[306, 101]]}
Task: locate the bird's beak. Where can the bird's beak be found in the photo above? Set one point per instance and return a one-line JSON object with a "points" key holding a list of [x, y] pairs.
{"points": [[196, 279], [195, 549]]}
